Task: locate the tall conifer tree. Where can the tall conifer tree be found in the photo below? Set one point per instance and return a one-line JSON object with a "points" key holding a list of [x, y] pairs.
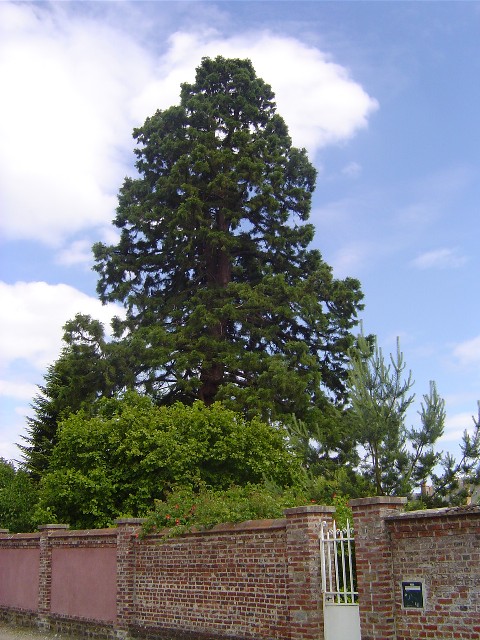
{"points": [[225, 301]]}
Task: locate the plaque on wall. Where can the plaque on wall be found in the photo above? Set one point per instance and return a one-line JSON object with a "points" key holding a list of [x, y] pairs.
{"points": [[412, 595]]}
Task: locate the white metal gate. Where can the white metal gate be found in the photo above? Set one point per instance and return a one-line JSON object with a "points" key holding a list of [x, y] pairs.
{"points": [[340, 598]]}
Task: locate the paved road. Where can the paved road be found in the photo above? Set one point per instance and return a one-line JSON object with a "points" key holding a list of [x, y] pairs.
{"points": [[8, 632]]}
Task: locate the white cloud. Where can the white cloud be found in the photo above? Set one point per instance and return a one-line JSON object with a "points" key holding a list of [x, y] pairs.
{"points": [[468, 353], [320, 102], [17, 390], [63, 122], [79, 252], [9, 450], [439, 259], [350, 259], [73, 88], [456, 425], [31, 318]]}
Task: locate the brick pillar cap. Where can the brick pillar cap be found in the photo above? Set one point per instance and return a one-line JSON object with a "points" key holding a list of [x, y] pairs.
{"points": [[378, 500], [309, 508], [123, 522], [4, 531], [53, 527]]}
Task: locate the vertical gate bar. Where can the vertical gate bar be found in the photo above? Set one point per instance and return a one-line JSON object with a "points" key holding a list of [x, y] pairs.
{"points": [[344, 571], [329, 548], [350, 560], [322, 556], [337, 577]]}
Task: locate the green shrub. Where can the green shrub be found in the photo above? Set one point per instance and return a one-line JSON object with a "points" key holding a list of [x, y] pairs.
{"points": [[185, 508]]}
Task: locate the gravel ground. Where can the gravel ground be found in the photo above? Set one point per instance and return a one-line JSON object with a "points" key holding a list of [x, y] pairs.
{"points": [[9, 632]]}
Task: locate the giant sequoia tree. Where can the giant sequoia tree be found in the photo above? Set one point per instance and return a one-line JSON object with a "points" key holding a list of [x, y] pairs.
{"points": [[224, 299]]}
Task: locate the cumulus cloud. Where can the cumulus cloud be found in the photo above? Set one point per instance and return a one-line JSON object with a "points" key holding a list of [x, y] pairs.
{"points": [[74, 86], [319, 100], [63, 120], [31, 318], [439, 259]]}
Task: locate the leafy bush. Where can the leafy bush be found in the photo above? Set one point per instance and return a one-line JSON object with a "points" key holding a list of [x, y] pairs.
{"points": [[18, 496], [185, 509], [131, 452]]}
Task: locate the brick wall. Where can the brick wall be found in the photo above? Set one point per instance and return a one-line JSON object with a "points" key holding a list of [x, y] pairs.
{"points": [[434, 554], [231, 582], [440, 549], [259, 579]]}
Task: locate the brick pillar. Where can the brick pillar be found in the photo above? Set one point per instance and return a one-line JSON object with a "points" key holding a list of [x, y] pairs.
{"points": [[304, 588], [45, 573], [127, 528], [374, 565]]}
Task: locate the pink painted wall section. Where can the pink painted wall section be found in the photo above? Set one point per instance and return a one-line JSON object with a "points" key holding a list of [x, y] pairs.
{"points": [[84, 583], [19, 573]]}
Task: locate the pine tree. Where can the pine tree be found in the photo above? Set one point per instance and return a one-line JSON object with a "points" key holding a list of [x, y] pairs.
{"points": [[398, 460]]}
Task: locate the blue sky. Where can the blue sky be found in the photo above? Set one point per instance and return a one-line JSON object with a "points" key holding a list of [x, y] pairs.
{"points": [[384, 95]]}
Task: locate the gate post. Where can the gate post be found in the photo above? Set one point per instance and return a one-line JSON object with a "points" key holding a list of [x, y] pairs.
{"points": [[127, 528], [304, 587], [45, 573], [374, 565]]}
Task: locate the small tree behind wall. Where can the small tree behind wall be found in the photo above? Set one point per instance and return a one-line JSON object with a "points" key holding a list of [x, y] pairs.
{"points": [[397, 460]]}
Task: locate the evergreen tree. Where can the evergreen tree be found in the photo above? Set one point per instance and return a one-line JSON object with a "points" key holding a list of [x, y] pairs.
{"points": [[456, 480], [85, 371], [224, 299], [380, 397], [397, 460]]}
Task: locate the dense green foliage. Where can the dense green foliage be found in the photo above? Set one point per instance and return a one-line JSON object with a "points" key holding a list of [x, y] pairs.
{"points": [[18, 497], [224, 299], [185, 508], [130, 452]]}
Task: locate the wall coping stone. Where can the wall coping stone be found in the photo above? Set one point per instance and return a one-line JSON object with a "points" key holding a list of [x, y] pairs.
{"points": [[248, 525], [132, 521], [309, 508], [393, 500], [441, 512], [53, 527], [223, 528], [20, 536], [84, 533]]}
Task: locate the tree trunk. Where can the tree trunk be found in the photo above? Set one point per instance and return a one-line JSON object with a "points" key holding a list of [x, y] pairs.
{"points": [[219, 275]]}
